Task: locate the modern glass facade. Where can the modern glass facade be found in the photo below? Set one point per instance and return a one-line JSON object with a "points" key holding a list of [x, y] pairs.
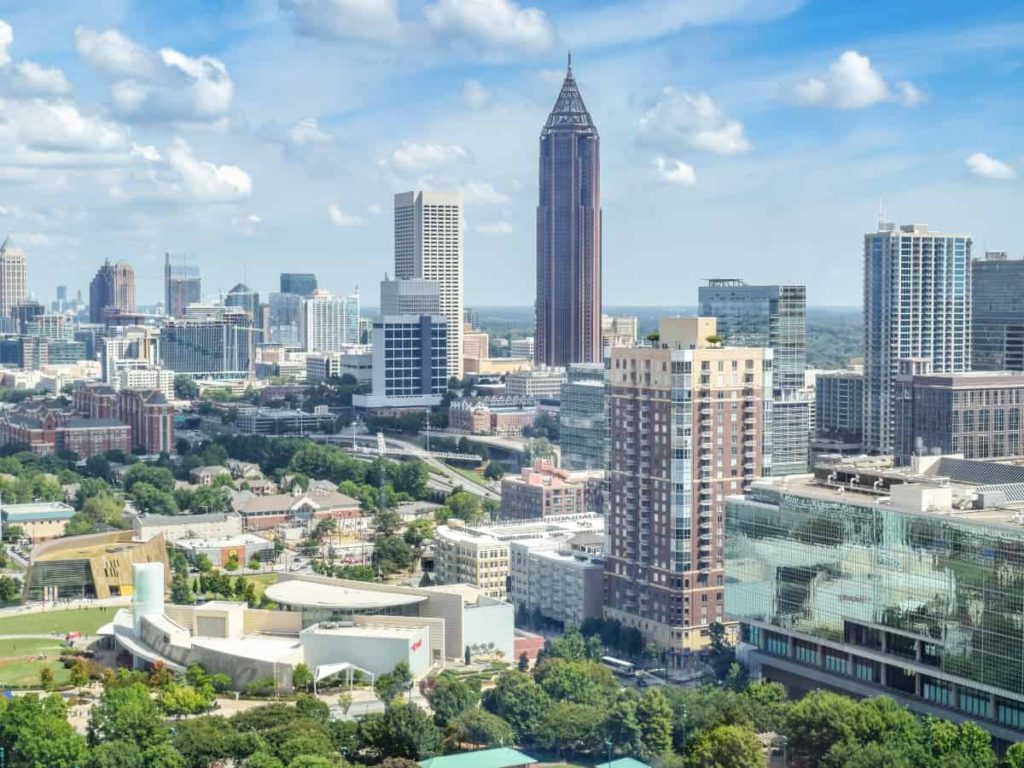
{"points": [[583, 417], [917, 304], [846, 591], [998, 313]]}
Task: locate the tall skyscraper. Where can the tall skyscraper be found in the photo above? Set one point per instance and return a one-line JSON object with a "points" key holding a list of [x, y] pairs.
{"points": [[689, 425], [428, 246], [997, 310], [246, 298], [568, 303], [583, 417], [299, 283], [209, 341], [329, 323], [113, 287], [917, 304], [13, 277], [181, 285], [773, 316]]}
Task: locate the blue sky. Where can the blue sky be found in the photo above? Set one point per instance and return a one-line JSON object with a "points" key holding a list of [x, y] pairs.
{"points": [[740, 138]]}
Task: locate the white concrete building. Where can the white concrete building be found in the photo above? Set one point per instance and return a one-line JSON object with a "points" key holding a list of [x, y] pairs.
{"points": [[410, 296], [175, 527], [561, 581], [130, 375], [14, 277], [540, 382], [329, 323], [428, 245], [410, 362]]}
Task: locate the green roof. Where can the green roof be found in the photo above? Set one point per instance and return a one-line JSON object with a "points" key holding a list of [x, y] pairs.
{"points": [[623, 762], [502, 757]]}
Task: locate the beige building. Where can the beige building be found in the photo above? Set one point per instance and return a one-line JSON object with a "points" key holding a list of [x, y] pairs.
{"points": [[688, 426], [38, 520], [13, 277], [540, 382], [541, 491]]}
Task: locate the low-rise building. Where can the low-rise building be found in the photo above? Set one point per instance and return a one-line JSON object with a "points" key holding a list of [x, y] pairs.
{"points": [[556, 579], [175, 527], [500, 416], [151, 418], [261, 513], [541, 491], [221, 550], [541, 382], [206, 475], [272, 421], [38, 520]]}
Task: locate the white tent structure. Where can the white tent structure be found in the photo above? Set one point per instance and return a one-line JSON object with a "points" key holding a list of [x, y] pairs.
{"points": [[324, 671]]}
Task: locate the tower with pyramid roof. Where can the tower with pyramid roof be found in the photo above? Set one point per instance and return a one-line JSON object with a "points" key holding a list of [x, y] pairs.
{"points": [[568, 306]]}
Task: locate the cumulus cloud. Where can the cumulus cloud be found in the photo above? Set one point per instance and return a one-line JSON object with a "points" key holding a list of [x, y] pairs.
{"points": [[675, 171], [6, 38], [495, 228], [474, 94], [30, 77], [986, 166], [146, 152], [364, 19], [374, 210], [204, 181], [306, 132], [852, 82], [157, 86], [57, 125], [340, 218], [680, 120], [421, 156], [501, 23], [483, 193]]}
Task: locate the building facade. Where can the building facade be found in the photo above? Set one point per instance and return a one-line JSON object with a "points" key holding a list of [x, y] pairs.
{"points": [[559, 581], [13, 277], [870, 581], [917, 303], [583, 417], [997, 313], [113, 288], [208, 347], [536, 383], [298, 283], [689, 424], [410, 296], [568, 304], [839, 406], [410, 362], [246, 299], [619, 331], [541, 491], [977, 414], [329, 323], [428, 246], [151, 418], [182, 285]]}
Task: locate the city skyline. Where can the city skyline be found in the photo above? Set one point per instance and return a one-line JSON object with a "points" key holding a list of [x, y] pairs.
{"points": [[706, 113]]}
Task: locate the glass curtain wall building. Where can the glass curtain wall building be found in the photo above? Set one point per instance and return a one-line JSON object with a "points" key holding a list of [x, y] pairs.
{"points": [[997, 309], [583, 417], [773, 316], [872, 580]]}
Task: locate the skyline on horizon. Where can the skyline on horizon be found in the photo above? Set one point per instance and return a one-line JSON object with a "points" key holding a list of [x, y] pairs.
{"points": [[129, 131]]}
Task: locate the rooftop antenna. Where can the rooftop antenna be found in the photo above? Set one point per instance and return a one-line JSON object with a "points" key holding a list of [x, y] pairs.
{"points": [[881, 213], [569, 73]]}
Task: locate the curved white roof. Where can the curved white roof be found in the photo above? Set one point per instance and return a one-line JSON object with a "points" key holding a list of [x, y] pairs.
{"points": [[310, 594]]}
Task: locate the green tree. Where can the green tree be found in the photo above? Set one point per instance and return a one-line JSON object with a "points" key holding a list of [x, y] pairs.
{"points": [[654, 716], [127, 713], [493, 471], [105, 509], [79, 673], [478, 728], [727, 746], [302, 677], [311, 761], [818, 721], [404, 730], [621, 726], [36, 734], [178, 699], [152, 500], [418, 531], [581, 682], [205, 740], [1014, 757], [185, 388], [572, 727], [391, 554], [524, 662], [449, 695], [46, 679], [517, 699], [465, 506], [160, 478], [262, 760], [570, 645], [393, 684]]}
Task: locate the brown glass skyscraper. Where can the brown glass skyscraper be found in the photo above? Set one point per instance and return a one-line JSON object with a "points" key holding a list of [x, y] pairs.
{"points": [[569, 234]]}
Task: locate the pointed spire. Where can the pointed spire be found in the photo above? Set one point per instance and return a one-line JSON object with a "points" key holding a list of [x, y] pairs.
{"points": [[568, 72], [569, 110]]}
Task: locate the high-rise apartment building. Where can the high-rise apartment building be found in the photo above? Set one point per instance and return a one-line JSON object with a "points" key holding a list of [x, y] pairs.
{"points": [[299, 283], [839, 406], [209, 344], [583, 417], [689, 424], [113, 287], [13, 277], [773, 316], [619, 331], [410, 362], [182, 285], [997, 312], [329, 323], [428, 246], [917, 303], [285, 319], [568, 305], [410, 296]]}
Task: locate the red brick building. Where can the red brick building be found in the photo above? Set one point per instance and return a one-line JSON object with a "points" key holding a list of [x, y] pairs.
{"points": [[150, 417]]}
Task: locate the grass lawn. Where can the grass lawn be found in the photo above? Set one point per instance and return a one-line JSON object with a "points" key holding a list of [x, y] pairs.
{"points": [[472, 476], [20, 663], [84, 620]]}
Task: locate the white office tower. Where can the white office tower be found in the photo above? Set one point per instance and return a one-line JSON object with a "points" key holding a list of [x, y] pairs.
{"points": [[428, 245], [329, 323], [411, 296], [14, 279], [917, 304]]}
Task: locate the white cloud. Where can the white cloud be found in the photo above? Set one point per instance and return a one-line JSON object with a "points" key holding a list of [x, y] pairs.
{"points": [[365, 19], [483, 193], [339, 218], [680, 120], [157, 86], [420, 156], [495, 228], [853, 83], [474, 94], [113, 53], [204, 181], [306, 132], [30, 77], [499, 23], [675, 171], [374, 210], [147, 152], [58, 125], [6, 38], [988, 167]]}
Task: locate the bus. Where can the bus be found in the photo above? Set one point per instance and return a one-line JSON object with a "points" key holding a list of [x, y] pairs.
{"points": [[618, 666]]}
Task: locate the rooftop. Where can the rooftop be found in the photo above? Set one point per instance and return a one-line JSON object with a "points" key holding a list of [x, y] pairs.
{"points": [[36, 510], [502, 757], [347, 629], [311, 594], [286, 650], [221, 542]]}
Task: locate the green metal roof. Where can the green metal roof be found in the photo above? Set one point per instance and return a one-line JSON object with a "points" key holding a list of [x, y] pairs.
{"points": [[623, 762], [502, 757], [24, 513]]}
